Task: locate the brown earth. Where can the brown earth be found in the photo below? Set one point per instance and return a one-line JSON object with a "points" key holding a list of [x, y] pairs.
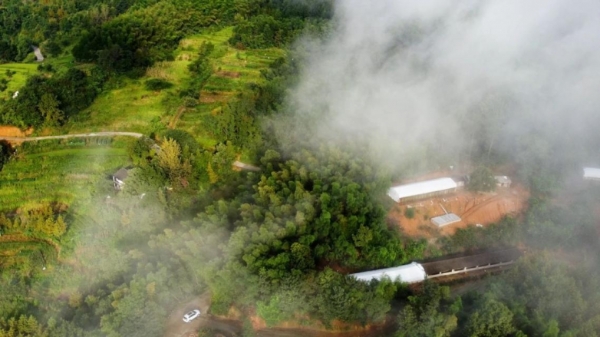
{"points": [[13, 131], [472, 208], [176, 327], [215, 96], [229, 74]]}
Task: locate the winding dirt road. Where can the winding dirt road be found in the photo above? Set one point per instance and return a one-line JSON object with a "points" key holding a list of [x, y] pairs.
{"points": [[75, 135]]}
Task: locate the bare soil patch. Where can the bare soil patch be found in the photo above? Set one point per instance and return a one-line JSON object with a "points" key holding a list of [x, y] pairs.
{"points": [[176, 327], [228, 74], [13, 131], [215, 96], [472, 208]]}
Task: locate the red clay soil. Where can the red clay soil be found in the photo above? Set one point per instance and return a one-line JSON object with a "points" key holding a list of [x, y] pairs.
{"points": [[13, 131], [472, 208]]}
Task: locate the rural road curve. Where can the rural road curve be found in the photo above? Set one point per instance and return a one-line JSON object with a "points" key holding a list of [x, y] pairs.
{"points": [[75, 135]]}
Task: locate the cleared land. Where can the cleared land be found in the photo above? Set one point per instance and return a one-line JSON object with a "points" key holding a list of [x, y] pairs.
{"points": [[472, 208]]}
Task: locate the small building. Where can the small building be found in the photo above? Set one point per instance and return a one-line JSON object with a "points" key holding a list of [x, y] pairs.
{"points": [[38, 54], [461, 181], [591, 173], [502, 181], [422, 189], [445, 220], [409, 273], [119, 178]]}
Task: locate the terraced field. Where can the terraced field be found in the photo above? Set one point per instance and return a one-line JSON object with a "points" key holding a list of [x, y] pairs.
{"points": [[130, 107], [58, 176], [25, 253]]}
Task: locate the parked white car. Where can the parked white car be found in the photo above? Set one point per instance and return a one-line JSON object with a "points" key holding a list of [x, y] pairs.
{"points": [[192, 315]]}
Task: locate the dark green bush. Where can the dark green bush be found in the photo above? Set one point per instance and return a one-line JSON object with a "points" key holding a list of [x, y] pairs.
{"points": [[157, 84]]}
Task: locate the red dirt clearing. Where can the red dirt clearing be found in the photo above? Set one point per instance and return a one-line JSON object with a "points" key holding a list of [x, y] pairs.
{"points": [[472, 208], [13, 131]]}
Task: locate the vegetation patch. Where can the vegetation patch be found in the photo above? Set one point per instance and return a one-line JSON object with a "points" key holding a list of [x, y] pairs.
{"points": [[38, 176], [14, 75]]}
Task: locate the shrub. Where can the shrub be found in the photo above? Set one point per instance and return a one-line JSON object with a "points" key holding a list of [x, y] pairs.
{"points": [[190, 102], [157, 84], [409, 213], [482, 179]]}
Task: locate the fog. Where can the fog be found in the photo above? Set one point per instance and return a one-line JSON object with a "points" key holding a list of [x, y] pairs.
{"points": [[449, 78]]}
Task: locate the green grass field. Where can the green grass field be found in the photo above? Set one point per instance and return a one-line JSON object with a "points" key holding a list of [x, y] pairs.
{"points": [[68, 175], [131, 107], [22, 72]]}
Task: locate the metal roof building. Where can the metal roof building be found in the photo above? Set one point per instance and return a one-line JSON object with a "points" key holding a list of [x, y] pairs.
{"points": [[422, 188], [409, 273], [591, 173], [445, 219]]}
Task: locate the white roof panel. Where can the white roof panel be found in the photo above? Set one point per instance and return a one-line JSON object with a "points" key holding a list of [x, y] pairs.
{"points": [[422, 187], [409, 273], [591, 172], [445, 219]]}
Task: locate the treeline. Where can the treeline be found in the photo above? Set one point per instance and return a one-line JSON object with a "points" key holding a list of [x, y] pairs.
{"points": [[276, 23], [52, 100], [52, 24], [139, 38], [299, 220], [538, 297], [297, 228], [124, 33], [42, 222]]}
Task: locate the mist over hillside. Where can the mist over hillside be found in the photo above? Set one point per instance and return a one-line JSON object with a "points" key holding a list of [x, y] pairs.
{"points": [[466, 78]]}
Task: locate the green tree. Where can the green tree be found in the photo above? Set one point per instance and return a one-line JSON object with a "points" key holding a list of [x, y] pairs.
{"points": [[430, 313], [48, 107], [492, 319], [24, 326], [170, 161], [482, 179]]}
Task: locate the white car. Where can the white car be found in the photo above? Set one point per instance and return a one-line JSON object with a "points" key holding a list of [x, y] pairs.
{"points": [[192, 315]]}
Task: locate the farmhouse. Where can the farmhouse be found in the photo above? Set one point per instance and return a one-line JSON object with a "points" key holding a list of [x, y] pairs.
{"points": [[502, 181], [422, 189], [409, 273], [591, 173], [119, 178]]}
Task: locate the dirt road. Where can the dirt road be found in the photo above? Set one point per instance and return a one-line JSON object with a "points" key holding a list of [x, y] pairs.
{"points": [[176, 327], [75, 135]]}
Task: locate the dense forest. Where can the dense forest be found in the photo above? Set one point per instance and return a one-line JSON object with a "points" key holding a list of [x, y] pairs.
{"points": [[274, 243]]}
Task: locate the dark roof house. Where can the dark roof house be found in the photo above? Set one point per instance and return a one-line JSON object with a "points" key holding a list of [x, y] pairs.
{"points": [[119, 178]]}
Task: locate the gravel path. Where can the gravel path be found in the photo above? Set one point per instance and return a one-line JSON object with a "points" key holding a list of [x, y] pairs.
{"points": [[76, 135]]}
